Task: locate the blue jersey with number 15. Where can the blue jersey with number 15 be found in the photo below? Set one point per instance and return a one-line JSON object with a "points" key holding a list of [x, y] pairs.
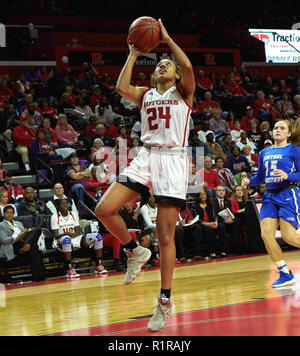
{"points": [[286, 158]]}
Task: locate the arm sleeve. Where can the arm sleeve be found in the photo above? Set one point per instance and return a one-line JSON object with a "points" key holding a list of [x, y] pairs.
{"points": [[295, 177], [260, 175], [147, 220]]}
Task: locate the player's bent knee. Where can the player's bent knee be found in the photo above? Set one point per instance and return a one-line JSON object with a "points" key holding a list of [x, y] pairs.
{"points": [[66, 244]]}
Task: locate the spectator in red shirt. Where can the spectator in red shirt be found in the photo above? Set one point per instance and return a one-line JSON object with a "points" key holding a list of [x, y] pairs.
{"points": [[235, 89], [142, 81], [24, 136], [208, 106], [47, 110], [209, 175], [262, 107], [203, 83], [96, 97], [5, 92], [15, 192], [48, 131], [283, 88], [113, 129], [249, 116]]}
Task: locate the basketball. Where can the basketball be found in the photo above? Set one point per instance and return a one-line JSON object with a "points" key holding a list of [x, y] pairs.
{"points": [[144, 34]]}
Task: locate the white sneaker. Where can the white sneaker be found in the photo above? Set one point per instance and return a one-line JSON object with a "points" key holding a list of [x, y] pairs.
{"points": [[71, 273], [163, 310], [135, 261], [100, 269]]}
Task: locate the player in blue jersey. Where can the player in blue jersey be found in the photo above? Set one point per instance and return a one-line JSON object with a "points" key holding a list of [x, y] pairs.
{"points": [[279, 168]]}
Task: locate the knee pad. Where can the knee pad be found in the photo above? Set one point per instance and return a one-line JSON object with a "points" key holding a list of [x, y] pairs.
{"points": [[94, 239], [66, 244]]}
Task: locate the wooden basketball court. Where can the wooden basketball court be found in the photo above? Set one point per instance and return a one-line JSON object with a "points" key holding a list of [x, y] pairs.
{"points": [[231, 296]]}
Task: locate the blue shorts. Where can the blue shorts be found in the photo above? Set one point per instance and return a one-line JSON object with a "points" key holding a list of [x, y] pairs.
{"points": [[284, 205]]}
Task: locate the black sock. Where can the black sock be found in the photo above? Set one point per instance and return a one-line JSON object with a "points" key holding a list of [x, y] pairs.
{"points": [[132, 244], [68, 264], [166, 293], [98, 261]]}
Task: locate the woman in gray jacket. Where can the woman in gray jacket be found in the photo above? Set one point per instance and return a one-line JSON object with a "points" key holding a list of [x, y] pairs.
{"points": [[17, 243]]}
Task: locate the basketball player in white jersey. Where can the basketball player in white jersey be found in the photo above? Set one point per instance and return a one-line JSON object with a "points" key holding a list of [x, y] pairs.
{"points": [[161, 165], [66, 230]]}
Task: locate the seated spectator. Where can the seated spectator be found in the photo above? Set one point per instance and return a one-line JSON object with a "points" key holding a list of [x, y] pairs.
{"points": [[265, 126], [135, 148], [245, 141], [142, 81], [134, 220], [73, 43], [96, 97], [5, 92], [241, 196], [254, 134], [251, 157], [93, 186], [66, 230], [236, 163], [3, 203], [48, 131], [33, 116], [194, 144], [284, 88], [266, 138], [44, 149], [226, 177], [149, 214], [195, 181], [30, 205], [9, 119], [90, 129], [48, 111], [122, 133], [227, 144], [66, 106], [114, 127], [227, 225], [23, 136], [236, 132], [210, 176], [59, 193], [222, 95], [207, 220], [287, 107], [108, 85], [77, 176], [65, 132], [217, 124], [15, 192], [22, 85], [106, 139], [83, 107], [17, 243], [2, 171], [203, 84], [98, 150], [33, 76], [262, 107], [214, 147], [209, 106], [245, 126], [190, 235]]}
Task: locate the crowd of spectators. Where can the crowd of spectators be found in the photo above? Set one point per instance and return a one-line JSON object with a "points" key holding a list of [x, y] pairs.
{"points": [[79, 118]]}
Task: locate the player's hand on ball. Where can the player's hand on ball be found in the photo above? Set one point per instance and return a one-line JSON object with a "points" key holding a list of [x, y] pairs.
{"points": [[164, 33], [134, 51], [245, 182]]}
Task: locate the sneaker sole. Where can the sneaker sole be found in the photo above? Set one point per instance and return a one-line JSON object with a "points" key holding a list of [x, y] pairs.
{"points": [[143, 263], [284, 284], [96, 272]]}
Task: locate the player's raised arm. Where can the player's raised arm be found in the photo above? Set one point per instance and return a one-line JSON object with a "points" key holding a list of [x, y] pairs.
{"points": [[124, 88], [188, 80]]}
